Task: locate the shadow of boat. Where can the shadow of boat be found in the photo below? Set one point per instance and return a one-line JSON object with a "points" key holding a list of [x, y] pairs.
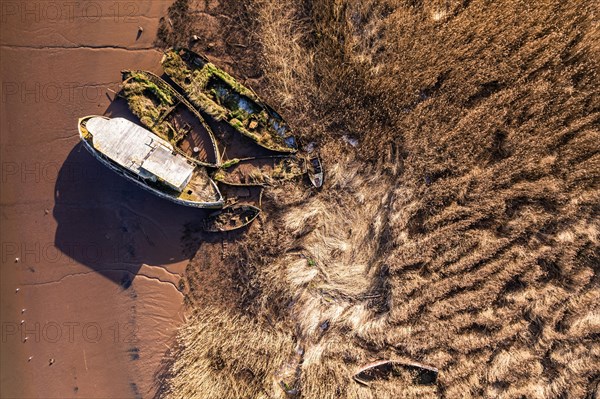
{"points": [[114, 227]]}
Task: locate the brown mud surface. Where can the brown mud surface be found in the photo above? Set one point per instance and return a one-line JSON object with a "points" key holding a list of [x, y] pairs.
{"points": [[99, 259], [461, 231]]}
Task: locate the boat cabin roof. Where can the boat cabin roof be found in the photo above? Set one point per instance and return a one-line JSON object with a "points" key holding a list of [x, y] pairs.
{"points": [[140, 151]]}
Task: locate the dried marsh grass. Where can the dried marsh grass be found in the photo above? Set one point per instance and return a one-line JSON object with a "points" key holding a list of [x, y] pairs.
{"points": [[462, 232]]}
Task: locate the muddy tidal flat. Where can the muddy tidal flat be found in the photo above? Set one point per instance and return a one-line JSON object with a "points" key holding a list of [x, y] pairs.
{"points": [[90, 264]]}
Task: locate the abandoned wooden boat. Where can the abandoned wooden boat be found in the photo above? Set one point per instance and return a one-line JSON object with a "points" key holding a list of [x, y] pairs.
{"points": [[151, 162], [385, 369], [315, 171], [218, 94], [170, 116], [260, 171], [231, 218]]}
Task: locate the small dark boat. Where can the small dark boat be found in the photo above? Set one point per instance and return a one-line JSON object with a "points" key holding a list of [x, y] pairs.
{"points": [[260, 171], [231, 218], [315, 171], [385, 369], [149, 161], [215, 92], [170, 116]]}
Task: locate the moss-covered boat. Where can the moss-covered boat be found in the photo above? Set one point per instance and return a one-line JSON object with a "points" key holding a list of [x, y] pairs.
{"points": [[260, 171], [231, 218], [149, 161], [170, 116], [216, 93]]}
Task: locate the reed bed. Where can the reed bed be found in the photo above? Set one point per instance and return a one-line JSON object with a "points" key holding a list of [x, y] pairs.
{"points": [[458, 223]]}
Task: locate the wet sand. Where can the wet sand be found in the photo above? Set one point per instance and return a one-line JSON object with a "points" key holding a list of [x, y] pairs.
{"points": [[99, 260]]}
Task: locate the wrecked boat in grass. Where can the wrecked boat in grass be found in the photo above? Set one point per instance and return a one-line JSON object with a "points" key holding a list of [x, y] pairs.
{"points": [[386, 369], [260, 171], [315, 171], [170, 116], [149, 161], [216, 93], [231, 218]]}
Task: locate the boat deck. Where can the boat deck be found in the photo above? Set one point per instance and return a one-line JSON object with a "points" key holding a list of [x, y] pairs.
{"points": [[139, 151], [200, 188]]}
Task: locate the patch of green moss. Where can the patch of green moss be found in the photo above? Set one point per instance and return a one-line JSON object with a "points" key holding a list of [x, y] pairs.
{"points": [[230, 163], [236, 123], [85, 133], [219, 175]]}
